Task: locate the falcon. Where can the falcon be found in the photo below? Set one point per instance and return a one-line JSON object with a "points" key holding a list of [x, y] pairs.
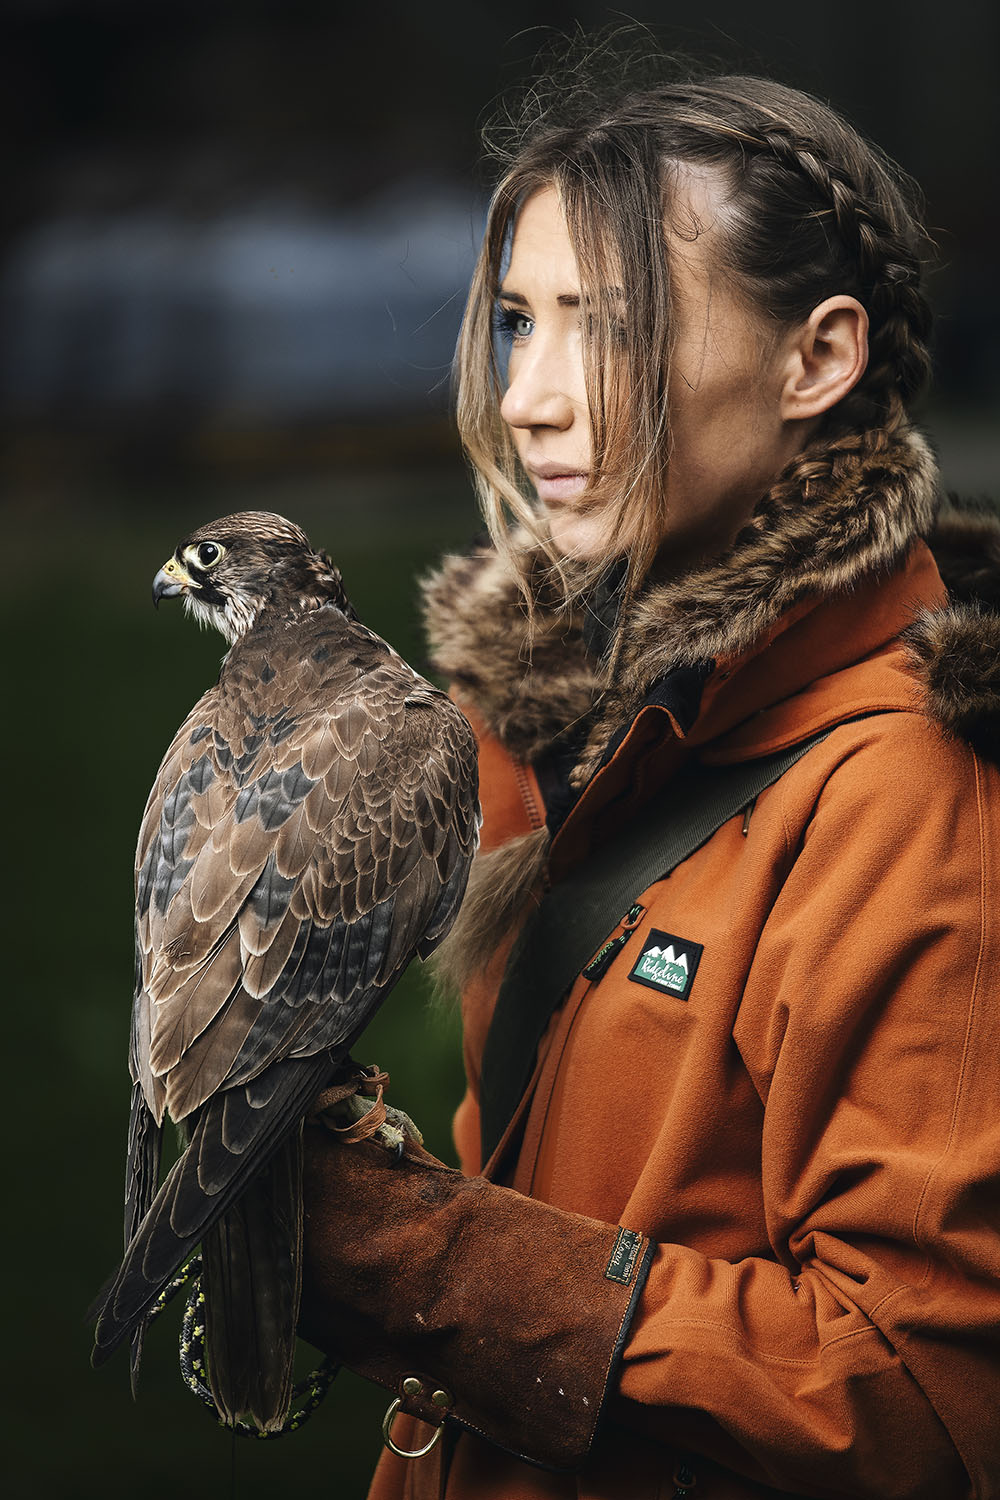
{"points": [[310, 831]]}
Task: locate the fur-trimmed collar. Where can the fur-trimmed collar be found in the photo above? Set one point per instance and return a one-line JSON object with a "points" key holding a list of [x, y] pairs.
{"points": [[534, 685], [955, 651]]}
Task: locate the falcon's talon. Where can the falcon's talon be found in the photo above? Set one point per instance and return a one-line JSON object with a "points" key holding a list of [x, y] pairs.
{"points": [[391, 1137], [346, 1115], [404, 1123]]}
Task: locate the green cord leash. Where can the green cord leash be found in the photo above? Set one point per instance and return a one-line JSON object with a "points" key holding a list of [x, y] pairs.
{"points": [[192, 1360]]}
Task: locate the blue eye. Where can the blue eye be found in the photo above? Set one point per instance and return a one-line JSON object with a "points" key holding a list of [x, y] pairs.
{"points": [[510, 324]]}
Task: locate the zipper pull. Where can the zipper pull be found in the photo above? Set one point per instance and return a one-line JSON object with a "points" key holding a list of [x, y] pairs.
{"points": [[601, 963], [605, 957]]}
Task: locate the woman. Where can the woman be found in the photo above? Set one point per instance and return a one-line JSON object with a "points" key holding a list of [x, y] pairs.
{"points": [[737, 1234]]}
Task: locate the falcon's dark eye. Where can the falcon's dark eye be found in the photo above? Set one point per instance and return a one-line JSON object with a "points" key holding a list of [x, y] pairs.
{"points": [[208, 554]]}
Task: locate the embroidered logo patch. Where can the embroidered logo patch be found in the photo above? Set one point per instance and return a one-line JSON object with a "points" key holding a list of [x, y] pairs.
{"points": [[667, 963]]}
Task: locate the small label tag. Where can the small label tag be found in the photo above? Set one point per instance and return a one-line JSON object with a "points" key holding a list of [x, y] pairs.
{"points": [[624, 1256], [667, 963]]}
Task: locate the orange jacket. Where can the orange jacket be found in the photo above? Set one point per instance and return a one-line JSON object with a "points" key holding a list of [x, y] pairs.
{"points": [[810, 1132]]}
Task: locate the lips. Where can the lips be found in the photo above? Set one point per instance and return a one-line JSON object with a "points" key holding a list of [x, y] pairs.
{"points": [[556, 482]]}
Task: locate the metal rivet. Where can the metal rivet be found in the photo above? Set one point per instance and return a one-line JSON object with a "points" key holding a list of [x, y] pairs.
{"points": [[412, 1386], [441, 1398]]}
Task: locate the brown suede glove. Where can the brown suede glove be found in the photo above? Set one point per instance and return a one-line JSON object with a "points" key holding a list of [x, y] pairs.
{"points": [[469, 1301]]}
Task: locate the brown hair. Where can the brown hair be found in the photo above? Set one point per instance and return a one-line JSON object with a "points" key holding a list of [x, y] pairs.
{"points": [[810, 210]]}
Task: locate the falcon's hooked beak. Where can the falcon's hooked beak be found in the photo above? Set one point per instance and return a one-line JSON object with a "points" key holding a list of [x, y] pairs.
{"points": [[171, 580]]}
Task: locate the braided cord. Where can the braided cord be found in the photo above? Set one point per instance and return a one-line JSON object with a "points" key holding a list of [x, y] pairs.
{"points": [[309, 1391]]}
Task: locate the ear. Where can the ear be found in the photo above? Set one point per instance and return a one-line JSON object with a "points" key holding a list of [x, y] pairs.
{"points": [[827, 358]]}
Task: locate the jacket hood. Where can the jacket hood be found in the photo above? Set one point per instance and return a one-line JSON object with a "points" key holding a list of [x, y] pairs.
{"points": [[844, 525]]}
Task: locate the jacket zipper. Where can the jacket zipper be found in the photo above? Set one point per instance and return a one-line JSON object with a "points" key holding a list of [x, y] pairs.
{"points": [[535, 817], [605, 957]]}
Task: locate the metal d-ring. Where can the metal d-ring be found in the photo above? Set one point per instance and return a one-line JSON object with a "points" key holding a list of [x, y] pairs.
{"points": [[387, 1422]]}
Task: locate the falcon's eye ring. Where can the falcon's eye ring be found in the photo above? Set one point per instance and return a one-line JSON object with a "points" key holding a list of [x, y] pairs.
{"points": [[205, 554]]}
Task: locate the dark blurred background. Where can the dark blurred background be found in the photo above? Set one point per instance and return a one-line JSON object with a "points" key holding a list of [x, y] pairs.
{"points": [[235, 239]]}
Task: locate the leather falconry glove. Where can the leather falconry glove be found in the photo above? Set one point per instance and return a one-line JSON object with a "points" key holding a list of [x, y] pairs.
{"points": [[470, 1302]]}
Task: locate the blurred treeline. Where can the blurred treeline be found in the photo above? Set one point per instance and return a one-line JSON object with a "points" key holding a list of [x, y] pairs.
{"points": [[235, 238]]}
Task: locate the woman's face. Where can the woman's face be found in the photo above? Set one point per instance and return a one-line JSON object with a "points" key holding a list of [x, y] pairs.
{"points": [[729, 440]]}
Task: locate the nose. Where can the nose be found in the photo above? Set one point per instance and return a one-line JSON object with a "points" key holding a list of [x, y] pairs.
{"points": [[540, 388]]}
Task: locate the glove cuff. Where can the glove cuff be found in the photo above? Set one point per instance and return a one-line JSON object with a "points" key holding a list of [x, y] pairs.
{"points": [[470, 1302], [559, 1394]]}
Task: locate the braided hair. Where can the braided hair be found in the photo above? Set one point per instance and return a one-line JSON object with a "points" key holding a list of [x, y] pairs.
{"points": [[809, 210], [815, 210]]}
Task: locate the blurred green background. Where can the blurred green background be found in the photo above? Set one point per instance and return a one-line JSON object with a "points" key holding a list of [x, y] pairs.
{"points": [[97, 682], [232, 262]]}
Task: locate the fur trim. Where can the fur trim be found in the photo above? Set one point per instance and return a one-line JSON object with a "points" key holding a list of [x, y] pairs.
{"points": [[955, 651], [529, 679], [966, 546], [956, 654], [499, 887], [849, 516], [841, 515], [796, 543], [851, 513]]}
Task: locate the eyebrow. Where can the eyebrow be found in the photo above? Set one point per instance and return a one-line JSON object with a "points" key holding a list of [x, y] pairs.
{"points": [[564, 299]]}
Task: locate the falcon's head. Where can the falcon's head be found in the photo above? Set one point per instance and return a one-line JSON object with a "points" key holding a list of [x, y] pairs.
{"points": [[233, 568]]}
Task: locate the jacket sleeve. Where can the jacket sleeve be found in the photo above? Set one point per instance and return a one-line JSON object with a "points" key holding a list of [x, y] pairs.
{"points": [[863, 1357]]}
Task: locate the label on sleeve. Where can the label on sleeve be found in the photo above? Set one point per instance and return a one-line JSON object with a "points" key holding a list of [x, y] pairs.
{"points": [[624, 1256]]}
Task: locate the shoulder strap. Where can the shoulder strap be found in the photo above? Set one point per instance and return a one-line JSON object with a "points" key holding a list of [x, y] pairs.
{"points": [[571, 920]]}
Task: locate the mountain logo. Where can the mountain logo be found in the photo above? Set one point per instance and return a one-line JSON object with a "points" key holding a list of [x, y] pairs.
{"points": [[667, 963]]}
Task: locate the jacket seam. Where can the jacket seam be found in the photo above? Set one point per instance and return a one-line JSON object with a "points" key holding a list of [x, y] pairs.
{"points": [[735, 1336], [570, 1011], [967, 1044], [783, 789], [897, 1291], [875, 710]]}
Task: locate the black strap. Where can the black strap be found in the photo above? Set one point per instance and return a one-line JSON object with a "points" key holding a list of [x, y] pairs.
{"points": [[577, 914]]}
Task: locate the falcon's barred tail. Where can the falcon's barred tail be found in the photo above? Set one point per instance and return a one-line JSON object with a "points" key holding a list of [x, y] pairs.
{"points": [[142, 1175], [252, 1278], [235, 1136], [143, 1171]]}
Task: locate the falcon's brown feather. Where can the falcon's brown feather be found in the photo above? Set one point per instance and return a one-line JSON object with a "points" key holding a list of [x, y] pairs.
{"points": [[248, 834], [309, 831]]}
